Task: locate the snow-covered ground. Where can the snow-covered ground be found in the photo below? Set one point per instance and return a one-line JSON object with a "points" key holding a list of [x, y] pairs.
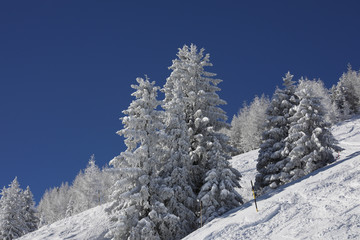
{"points": [[322, 205], [88, 225]]}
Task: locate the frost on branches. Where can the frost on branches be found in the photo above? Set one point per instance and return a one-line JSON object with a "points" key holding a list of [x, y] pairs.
{"points": [[297, 139], [54, 204], [137, 211], [271, 158], [30, 213], [248, 125], [346, 94], [17, 212], [89, 189], [309, 144], [203, 117], [174, 157], [177, 193]]}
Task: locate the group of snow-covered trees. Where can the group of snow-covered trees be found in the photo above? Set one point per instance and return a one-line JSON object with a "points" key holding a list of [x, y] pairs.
{"points": [[175, 173], [340, 102], [17, 212], [346, 94], [297, 139], [18, 215], [91, 187]]}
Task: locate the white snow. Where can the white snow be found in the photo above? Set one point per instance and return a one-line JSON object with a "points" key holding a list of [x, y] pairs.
{"points": [[88, 225], [322, 205]]}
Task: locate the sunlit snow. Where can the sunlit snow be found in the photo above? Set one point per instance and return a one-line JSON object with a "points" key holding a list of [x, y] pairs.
{"points": [[322, 205]]}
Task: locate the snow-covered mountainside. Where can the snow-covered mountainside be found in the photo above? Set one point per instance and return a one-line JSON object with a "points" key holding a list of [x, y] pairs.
{"points": [[88, 225], [322, 205]]}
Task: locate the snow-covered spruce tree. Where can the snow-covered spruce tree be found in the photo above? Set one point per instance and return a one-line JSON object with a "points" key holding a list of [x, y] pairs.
{"points": [[203, 118], [247, 127], [346, 94], [271, 157], [310, 143], [177, 192], [12, 218], [218, 194], [30, 213], [136, 211]]}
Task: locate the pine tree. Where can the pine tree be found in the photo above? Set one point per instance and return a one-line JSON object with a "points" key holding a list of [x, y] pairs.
{"points": [[136, 210], [194, 92], [30, 213], [218, 194], [309, 142], [271, 157], [178, 193], [12, 218]]}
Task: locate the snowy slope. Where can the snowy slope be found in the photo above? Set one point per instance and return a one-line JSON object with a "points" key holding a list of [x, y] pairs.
{"points": [[89, 225], [323, 205]]}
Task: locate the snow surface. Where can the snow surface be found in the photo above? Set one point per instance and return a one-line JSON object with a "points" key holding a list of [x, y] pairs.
{"points": [[322, 205], [88, 225]]}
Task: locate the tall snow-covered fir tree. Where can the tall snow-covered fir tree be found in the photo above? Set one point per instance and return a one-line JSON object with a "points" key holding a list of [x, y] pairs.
{"points": [[30, 213], [137, 210], [310, 143], [16, 212], [271, 157], [204, 118], [218, 194], [12, 222], [178, 189]]}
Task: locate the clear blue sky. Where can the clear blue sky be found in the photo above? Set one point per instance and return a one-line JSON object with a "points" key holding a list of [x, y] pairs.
{"points": [[66, 67]]}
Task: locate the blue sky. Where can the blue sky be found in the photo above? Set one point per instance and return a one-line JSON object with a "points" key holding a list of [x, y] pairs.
{"points": [[66, 67]]}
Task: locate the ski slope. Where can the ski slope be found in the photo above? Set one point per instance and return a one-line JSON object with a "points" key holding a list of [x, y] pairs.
{"points": [[322, 205], [88, 225]]}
